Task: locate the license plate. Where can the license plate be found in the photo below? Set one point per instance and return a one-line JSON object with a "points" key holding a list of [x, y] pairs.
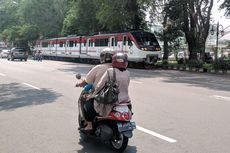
{"points": [[126, 126]]}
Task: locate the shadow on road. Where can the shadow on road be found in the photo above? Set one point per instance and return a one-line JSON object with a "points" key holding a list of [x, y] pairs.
{"points": [[76, 68], [14, 95], [211, 81], [95, 145]]}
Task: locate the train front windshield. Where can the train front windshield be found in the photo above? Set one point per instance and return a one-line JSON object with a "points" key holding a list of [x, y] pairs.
{"points": [[147, 41]]}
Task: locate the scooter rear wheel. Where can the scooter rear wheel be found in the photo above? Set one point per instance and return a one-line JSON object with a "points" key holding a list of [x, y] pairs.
{"points": [[119, 145]]}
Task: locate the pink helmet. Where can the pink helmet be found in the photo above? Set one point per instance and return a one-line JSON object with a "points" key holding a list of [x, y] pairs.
{"points": [[120, 60]]}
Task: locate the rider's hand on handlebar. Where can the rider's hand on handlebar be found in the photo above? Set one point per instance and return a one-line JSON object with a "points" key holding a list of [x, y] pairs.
{"points": [[77, 85], [80, 84]]}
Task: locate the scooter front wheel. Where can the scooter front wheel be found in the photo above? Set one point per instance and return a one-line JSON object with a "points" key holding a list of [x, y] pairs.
{"points": [[81, 121], [119, 145]]}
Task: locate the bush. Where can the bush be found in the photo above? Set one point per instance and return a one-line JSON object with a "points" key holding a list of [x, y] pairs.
{"points": [[165, 62], [222, 64], [207, 67], [195, 63], [181, 61]]}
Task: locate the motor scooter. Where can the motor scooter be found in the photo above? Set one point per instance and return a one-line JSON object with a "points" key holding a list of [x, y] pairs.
{"points": [[116, 128]]}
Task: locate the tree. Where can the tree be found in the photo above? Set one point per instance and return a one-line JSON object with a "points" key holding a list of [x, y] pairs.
{"points": [[89, 16], [81, 18], [8, 14], [47, 16], [194, 18], [158, 10], [226, 5], [121, 15]]}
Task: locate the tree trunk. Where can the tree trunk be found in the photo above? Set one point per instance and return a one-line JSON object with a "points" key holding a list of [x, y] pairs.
{"points": [[166, 49], [192, 47]]}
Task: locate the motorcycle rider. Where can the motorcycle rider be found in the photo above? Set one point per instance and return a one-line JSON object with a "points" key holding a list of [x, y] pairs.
{"points": [[92, 78], [94, 75], [119, 63]]}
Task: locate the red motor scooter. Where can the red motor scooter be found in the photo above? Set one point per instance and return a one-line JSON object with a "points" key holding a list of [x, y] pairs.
{"points": [[116, 128]]}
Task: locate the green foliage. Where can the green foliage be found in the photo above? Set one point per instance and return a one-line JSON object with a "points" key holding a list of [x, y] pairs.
{"points": [[194, 19], [226, 5], [165, 62], [121, 15], [8, 14], [21, 35], [48, 15], [222, 64], [70, 22], [208, 67], [23, 21], [195, 63]]}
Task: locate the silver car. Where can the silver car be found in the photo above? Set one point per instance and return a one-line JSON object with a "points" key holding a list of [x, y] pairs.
{"points": [[18, 53], [4, 53]]}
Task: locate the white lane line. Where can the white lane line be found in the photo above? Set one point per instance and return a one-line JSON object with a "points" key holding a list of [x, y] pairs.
{"points": [[156, 134], [221, 97], [2, 74], [136, 81], [31, 86]]}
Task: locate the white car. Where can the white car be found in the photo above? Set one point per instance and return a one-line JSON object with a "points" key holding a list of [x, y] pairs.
{"points": [[4, 53]]}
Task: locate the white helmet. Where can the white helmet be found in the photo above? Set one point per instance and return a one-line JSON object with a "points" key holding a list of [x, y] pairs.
{"points": [[106, 55]]}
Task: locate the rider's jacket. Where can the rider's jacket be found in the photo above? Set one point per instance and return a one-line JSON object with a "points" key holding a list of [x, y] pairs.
{"points": [[123, 79]]}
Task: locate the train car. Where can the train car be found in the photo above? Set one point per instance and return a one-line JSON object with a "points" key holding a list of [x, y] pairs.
{"points": [[140, 46]]}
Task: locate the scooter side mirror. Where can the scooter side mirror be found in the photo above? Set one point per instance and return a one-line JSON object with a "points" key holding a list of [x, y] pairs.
{"points": [[78, 76]]}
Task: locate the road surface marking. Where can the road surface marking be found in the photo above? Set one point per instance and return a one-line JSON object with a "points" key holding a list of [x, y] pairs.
{"points": [[136, 81], [221, 97], [2, 74], [31, 86], [156, 134]]}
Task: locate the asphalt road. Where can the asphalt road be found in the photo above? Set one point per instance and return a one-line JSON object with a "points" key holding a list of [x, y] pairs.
{"points": [[176, 112]]}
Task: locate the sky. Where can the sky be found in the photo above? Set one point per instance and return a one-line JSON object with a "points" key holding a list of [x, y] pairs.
{"points": [[218, 16]]}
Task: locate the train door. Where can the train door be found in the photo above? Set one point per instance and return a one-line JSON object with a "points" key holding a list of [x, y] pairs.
{"points": [[113, 43], [69, 47], [88, 45], [124, 39], [126, 44], [49, 47], [82, 46]]}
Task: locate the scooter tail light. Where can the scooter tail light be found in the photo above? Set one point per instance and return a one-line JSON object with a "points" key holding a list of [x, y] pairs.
{"points": [[126, 116], [117, 114]]}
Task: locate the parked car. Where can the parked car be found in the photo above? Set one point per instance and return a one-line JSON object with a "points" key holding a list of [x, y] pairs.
{"points": [[4, 53], [18, 53]]}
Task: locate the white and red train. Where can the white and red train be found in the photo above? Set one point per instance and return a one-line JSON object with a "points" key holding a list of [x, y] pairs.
{"points": [[140, 46]]}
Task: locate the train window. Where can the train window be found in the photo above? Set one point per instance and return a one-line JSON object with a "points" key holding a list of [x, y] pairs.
{"points": [[113, 42], [90, 43], [61, 44], [71, 43], [129, 42], [97, 42], [44, 44], [51, 44], [101, 42], [145, 39]]}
